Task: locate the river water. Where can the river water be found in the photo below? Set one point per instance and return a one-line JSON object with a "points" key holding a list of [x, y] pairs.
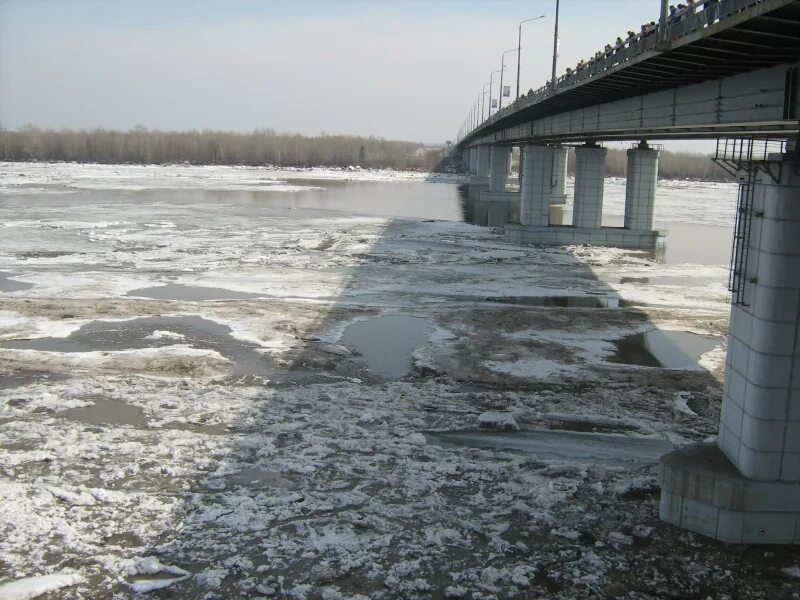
{"points": [[237, 382]]}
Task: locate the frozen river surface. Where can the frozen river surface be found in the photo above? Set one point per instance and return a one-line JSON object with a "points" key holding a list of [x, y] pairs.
{"points": [[242, 382]]}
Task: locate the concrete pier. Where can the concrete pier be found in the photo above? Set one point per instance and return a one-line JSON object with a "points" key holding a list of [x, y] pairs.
{"points": [[640, 189], [558, 195], [500, 159], [535, 193], [473, 161], [484, 161], [543, 190], [498, 205], [590, 170], [746, 489]]}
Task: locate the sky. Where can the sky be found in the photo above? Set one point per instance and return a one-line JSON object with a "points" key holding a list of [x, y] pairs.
{"points": [[398, 69]]}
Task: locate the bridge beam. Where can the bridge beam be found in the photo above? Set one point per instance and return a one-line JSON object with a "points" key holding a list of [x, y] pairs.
{"points": [[640, 188], [590, 171], [746, 488]]}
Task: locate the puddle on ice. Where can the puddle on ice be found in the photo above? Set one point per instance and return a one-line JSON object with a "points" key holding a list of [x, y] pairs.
{"points": [[11, 285], [386, 343], [560, 445], [668, 349], [561, 301], [191, 293], [258, 477], [139, 333], [106, 411]]}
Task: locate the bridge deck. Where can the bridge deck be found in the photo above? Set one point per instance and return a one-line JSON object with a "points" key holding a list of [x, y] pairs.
{"points": [[740, 37]]}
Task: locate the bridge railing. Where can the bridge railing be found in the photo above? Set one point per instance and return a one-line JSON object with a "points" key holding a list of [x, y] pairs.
{"points": [[679, 25]]}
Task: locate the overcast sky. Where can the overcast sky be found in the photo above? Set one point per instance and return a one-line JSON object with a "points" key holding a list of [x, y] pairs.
{"points": [[400, 69]]}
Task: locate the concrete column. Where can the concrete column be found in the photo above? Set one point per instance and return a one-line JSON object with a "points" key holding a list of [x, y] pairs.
{"points": [[465, 158], [498, 176], [484, 161], [640, 191], [760, 428], [560, 158], [746, 488], [537, 171], [473, 161], [590, 169]]}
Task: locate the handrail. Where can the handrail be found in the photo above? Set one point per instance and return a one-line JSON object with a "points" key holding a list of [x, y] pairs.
{"points": [[679, 24]]}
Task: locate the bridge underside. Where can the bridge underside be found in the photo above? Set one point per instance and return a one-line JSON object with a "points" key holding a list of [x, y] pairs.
{"points": [[763, 103], [738, 76]]}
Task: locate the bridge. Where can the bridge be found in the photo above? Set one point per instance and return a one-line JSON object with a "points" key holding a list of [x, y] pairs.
{"points": [[719, 69]]}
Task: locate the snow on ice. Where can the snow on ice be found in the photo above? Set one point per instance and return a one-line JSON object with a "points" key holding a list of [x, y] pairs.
{"points": [[269, 460]]}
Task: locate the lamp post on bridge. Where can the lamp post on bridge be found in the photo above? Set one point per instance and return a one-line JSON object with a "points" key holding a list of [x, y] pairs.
{"points": [[491, 82], [483, 101], [519, 46], [555, 50], [502, 71]]}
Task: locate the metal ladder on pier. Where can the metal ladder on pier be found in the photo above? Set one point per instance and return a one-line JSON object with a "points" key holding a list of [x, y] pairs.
{"points": [[746, 159], [737, 277]]}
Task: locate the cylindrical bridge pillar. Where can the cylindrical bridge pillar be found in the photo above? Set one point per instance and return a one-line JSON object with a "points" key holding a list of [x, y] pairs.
{"points": [[760, 428], [498, 176], [749, 492], [473, 161], [640, 190], [590, 170], [536, 190]]}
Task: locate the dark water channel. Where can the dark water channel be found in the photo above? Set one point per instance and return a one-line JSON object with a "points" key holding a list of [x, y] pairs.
{"points": [[667, 349], [590, 448], [190, 293], [109, 336]]}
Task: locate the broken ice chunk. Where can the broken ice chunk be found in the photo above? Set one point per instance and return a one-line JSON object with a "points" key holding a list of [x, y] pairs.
{"points": [[498, 420]]}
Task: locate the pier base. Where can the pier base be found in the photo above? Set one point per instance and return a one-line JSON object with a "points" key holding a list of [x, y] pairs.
{"points": [[565, 235], [501, 208], [702, 491]]}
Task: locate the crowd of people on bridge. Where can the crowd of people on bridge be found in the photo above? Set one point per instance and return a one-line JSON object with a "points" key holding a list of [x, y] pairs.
{"points": [[676, 15]]}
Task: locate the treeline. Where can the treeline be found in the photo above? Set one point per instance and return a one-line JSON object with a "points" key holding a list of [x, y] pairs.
{"points": [[261, 147], [671, 165]]}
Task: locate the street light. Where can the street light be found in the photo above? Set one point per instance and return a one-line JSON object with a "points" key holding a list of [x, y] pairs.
{"points": [[555, 50], [483, 101], [502, 71], [491, 82], [519, 46]]}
